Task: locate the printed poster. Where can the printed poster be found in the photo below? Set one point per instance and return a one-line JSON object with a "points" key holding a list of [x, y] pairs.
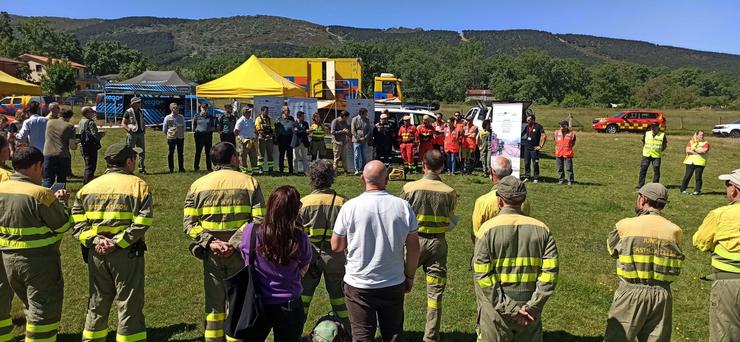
{"points": [[506, 129], [273, 103], [309, 106], [354, 105]]}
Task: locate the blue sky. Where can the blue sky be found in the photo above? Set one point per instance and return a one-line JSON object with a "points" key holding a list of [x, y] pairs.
{"points": [[704, 25]]}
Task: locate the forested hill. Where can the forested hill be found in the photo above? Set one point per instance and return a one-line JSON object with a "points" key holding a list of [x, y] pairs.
{"points": [[171, 41]]}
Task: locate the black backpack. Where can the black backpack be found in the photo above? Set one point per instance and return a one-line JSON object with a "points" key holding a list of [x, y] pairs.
{"points": [[245, 303], [330, 329]]}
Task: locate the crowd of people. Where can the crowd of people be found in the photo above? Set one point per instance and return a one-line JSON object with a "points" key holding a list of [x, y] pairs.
{"points": [[367, 249]]}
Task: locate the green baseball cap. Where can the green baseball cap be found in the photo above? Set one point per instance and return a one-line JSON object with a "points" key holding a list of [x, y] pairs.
{"points": [[119, 152], [511, 188], [654, 191]]}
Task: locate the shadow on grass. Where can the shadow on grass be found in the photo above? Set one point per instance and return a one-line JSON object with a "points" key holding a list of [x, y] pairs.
{"points": [[562, 336], [554, 180], [153, 334], [456, 336]]}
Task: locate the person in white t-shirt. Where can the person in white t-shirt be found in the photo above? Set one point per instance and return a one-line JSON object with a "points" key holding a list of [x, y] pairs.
{"points": [[379, 233]]}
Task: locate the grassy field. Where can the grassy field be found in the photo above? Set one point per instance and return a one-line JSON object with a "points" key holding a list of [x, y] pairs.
{"points": [[579, 216]]}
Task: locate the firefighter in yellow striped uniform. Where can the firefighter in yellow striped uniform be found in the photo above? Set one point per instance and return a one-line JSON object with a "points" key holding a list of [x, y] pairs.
{"points": [[111, 215], [32, 221], [516, 268], [720, 234], [318, 213], [434, 204], [318, 135], [654, 143], [216, 206], [6, 293], [265, 129], [649, 259]]}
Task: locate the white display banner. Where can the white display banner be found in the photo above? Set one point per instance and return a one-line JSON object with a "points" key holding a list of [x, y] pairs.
{"points": [[309, 106], [354, 105], [273, 104], [506, 128]]}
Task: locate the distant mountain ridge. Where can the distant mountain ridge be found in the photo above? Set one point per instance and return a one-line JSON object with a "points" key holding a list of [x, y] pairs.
{"points": [[173, 41]]}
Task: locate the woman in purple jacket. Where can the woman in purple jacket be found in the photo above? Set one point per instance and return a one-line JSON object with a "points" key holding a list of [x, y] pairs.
{"points": [[283, 256]]}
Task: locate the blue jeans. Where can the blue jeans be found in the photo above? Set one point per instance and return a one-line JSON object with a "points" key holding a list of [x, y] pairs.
{"points": [[55, 170], [451, 162], [360, 150]]}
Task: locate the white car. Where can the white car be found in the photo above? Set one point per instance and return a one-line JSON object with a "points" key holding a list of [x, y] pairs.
{"points": [[729, 129]]}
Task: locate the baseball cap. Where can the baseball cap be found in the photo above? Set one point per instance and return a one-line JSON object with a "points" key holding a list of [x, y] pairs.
{"points": [[511, 188], [406, 117], [135, 99], [119, 152], [733, 177], [285, 108], [654, 191], [383, 116], [564, 122], [426, 117]]}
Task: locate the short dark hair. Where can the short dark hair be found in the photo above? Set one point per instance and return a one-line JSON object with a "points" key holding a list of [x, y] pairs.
{"points": [[222, 153], [660, 205], [344, 113], [513, 202], [25, 157], [433, 160], [321, 174], [68, 113]]}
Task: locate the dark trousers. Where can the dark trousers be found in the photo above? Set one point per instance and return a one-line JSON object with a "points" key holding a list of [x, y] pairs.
{"points": [[568, 163], [284, 150], [203, 140], [369, 308], [179, 145], [228, 137], [285, 321], [56, 170], [644, 164], [531, 157], [692, 169], [90, 156], [383, 152]]}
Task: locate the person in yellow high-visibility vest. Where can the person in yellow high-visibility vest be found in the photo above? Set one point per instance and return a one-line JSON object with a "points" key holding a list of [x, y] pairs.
{"points": [[696, 160], [654, 143]]}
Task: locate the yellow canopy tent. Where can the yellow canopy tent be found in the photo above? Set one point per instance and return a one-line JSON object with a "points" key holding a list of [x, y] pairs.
{"points": [[252, 78], [10, 85]]}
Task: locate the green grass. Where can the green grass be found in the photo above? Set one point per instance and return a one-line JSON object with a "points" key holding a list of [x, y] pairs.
{"points": [[580, 218]]}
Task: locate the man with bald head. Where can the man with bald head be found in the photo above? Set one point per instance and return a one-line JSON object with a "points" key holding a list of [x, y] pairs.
{"points": [[379, 233]]}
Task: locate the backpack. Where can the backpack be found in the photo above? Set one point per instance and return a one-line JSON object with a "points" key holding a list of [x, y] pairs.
{"points": [[330, 329]]}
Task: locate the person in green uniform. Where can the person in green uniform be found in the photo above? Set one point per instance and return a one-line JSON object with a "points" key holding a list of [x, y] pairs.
{"points": [[649, 259], [216, 206], [111, 215], [720, 234], [434, 204], [516, 269], [317, 216], [32, 222], [317, 133]]}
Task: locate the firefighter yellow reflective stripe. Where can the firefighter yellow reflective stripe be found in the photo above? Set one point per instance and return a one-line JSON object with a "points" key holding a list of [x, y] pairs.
{"points": [[215, 316], [131, 338], [213, 333], [645, 275], [650, 259], [342, 314], [76, 218], [482, 268], [94, 335], [258, 211], [724, 266], [143, 220], [222, 225], [120, 241], [45, 339], [6, 337], [432, 303], [435, 280], [509, 278], [319, 232], [12, 244], [723, 252], [337, 301], [517, 262], [432, 230], [547, 277], [230, 339], [100, 229], [193, 232], [39, 328], [432, 218], [109, 215], [550, 263], [6, 322], [24, 231], [486, 282], [221, 210], [731, 262]]}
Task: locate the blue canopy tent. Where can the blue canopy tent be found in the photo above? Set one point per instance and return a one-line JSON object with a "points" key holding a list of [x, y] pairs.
{"points": [[148, 85]]}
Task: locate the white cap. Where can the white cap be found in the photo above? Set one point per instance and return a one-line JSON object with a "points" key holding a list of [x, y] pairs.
{"points": [[733, 177]]}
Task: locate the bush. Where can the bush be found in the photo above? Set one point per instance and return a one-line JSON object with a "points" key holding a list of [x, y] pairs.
{"points": [[573, 99]]}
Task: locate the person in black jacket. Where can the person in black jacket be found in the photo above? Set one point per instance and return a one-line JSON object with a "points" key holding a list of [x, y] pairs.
{"points": [[90, 142], [300, 143], [384, 137], [284, 128]]}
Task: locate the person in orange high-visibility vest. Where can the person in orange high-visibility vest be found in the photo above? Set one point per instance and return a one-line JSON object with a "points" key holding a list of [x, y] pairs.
{"points": [[469, 146], [439, 132], [407, 135], [425, 136], [453, 140], [696, 160], [565, 139]]}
